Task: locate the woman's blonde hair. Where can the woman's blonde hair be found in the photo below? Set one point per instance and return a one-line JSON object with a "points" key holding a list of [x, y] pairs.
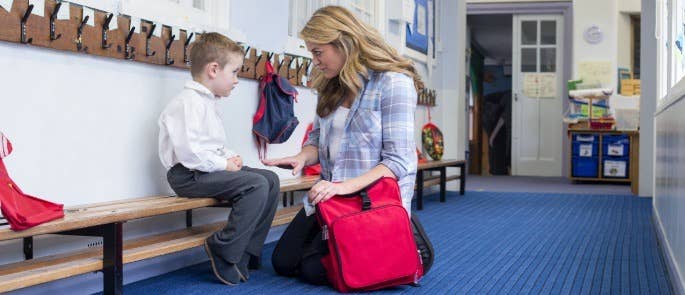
{"points": [[364, 48]]}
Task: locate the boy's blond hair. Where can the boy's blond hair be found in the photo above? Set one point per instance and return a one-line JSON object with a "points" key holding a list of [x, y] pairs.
{"points": [[211, 47]]}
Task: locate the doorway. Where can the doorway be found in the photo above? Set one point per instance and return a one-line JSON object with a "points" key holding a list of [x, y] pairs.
{"points": [[518, 89]]}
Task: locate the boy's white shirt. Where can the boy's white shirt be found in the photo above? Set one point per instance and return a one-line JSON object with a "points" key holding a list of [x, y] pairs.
{"points": [[191, 131]]}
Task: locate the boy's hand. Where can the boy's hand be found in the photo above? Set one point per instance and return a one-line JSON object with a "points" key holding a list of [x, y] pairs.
{"points": [[238, 161], [295, 163], [231, 164]]}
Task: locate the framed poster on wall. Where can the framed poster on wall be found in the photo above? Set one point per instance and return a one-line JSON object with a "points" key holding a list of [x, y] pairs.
{"points": [[417, 32]]}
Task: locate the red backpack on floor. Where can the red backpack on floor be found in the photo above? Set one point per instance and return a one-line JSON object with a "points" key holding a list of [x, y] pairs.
{"points": [[21, 210], [370, 239]]}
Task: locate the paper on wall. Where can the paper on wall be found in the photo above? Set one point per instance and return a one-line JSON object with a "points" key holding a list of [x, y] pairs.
{"points": [[90, 13], [6, 4], [595, 72], [540, 85], [64, 11], [38, 7]]}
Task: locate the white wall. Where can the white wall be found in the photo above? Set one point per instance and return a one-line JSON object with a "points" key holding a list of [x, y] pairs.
{"points": [[669, 191], [604, 14]]}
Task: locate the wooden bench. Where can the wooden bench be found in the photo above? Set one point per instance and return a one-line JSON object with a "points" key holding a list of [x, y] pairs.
{"points": [[106, 220], [441, 166], [306, 182]]}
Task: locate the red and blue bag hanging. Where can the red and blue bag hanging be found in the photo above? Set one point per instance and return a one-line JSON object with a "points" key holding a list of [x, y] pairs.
{"points": [[370, 239], [22, 211], [275, 119]]}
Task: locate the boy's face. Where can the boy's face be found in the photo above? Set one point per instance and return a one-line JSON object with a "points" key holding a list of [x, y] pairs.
{"points": [[226, 78]]}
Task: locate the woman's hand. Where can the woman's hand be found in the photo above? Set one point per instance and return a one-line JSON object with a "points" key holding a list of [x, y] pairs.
{"points": [[324, 190], [296, 163]]}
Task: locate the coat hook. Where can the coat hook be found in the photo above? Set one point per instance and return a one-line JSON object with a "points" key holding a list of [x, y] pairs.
{"points": [[105, 28], [24, 19], [148, 51], [79, 34], [167, 54], [290, 64], [129, 52], [53, 18], [281, 63], [244, 68], [257, 63], [309, 66], [185, 48]]}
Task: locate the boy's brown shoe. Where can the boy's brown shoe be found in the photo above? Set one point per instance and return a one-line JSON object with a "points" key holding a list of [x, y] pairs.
{"points": [[227, 273]]}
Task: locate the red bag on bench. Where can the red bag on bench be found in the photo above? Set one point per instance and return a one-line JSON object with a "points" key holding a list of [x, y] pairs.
{"points": [[370, 239], [21, 210]]}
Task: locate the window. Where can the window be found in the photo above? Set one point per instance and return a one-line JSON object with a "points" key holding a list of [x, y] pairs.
{"points": [[301, 10], [195, 15]]}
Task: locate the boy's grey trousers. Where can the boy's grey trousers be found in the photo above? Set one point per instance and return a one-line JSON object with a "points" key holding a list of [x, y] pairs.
{"points": [[254, 194]]}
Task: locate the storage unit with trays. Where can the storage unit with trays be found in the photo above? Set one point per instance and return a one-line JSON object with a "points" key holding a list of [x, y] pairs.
{"points": [[604, 155]]}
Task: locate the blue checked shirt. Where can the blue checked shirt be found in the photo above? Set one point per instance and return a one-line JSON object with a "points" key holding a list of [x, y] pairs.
{"points": [[379, 129]]}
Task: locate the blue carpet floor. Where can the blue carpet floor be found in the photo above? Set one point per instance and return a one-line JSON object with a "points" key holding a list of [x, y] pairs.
{"points": [[499, 243]]}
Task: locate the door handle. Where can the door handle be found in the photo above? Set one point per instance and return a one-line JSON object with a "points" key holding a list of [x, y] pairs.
{"points": [[516, 97]]}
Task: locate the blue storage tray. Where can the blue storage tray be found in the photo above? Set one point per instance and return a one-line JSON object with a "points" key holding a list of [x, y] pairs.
{"points": [[618, 167], [592, 151], [615, 145], [584, 137], [585, 167]]}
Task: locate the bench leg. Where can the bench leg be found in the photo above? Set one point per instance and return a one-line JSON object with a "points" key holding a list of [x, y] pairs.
{"points": [[419, 190], [462, 178], [28, 248], [112, 267], [443, 183]]}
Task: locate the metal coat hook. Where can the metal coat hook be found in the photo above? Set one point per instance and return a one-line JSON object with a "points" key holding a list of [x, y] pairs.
{"points": [[167, 54], [53, 18], [309, 66], [79, 34], [24, 19], [185, 48], [244, 68], [290, 64], [281, 63], [255, 66], [148, 51], [129, 51], [105, 28]]}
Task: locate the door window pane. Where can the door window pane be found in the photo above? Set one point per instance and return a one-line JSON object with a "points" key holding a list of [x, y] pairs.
{"points": [[529, 59], [548, 59], [548, 32], [529, 32]]}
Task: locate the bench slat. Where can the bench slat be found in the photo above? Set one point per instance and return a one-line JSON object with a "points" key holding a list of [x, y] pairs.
{"points": [[45, 269], [86, 219], [441, 163]]}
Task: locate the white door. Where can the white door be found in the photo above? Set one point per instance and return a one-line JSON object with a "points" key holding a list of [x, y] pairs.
{"points": [[537, 95]]}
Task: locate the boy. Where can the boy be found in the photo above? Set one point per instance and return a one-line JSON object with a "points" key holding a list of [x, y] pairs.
{"points": [[192, 146]]}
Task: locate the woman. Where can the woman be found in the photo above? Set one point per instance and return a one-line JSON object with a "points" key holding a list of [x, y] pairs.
{"points": [[364, 128]]}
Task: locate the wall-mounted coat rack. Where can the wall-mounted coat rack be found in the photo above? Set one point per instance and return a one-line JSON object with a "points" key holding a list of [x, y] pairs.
{"points": [[20, 25]]}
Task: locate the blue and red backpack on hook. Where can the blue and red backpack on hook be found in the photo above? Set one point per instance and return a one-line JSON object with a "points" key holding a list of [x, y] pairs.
{"points": [[275, 119]]}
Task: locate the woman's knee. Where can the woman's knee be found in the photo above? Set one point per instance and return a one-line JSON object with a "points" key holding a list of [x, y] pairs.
{"points": [[312, 271], [284, 263]]}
